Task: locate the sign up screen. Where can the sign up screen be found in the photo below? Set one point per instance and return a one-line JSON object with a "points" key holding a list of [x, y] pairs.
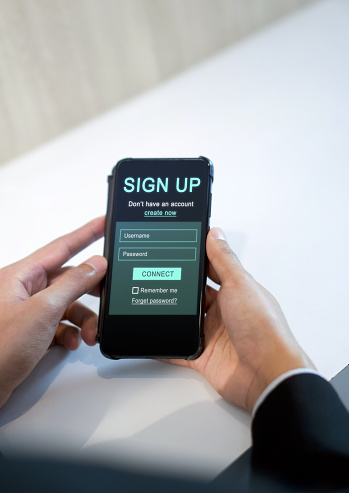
{"points": [[159, 227]]}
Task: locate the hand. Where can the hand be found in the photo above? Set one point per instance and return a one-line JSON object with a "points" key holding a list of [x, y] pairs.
{"points": [[247, 339], [37, 294]]}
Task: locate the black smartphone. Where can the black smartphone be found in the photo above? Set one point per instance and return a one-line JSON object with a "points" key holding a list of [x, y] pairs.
{"points": [[156, 226]]}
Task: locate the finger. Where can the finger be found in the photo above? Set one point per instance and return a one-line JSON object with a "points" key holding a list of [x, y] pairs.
{"points": [[224, 262], [54, 276], [96, 291], [67, 336], [59, 251], [57, 274], [55, 299], [212, 324], [178, 362], [81, 316], [211, 273], [210, 297]]}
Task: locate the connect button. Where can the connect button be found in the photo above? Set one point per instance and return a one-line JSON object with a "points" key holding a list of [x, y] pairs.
{"points": [[157, 274]]}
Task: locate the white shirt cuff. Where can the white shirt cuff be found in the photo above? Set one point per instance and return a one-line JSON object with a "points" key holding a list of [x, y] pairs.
{"points": [[277, 382]]}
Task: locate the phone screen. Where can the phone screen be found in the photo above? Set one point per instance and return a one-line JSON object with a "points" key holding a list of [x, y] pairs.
{"points": [[157, 222]]}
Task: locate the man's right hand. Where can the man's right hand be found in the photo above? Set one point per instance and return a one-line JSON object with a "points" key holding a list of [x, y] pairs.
{"points": [[248, 341]]}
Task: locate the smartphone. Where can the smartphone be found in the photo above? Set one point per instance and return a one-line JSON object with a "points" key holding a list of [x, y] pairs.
{"points": [[157, 221]]}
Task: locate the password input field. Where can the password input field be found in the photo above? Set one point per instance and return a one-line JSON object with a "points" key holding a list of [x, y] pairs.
{"points": [[134, 254]]}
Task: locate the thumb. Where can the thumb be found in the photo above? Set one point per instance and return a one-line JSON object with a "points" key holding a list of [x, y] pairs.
{"points": [[75, 282], [225, 263]]}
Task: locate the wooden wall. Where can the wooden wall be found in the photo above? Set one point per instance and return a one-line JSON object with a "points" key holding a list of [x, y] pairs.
{"points": [[64, 61]]}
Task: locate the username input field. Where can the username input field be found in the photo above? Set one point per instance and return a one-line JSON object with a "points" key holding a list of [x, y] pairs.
{"points": [[158, 235], [134, 254]]}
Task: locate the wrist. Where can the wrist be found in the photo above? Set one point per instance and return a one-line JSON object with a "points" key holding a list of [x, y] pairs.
{"points": [[278, 381], [277, 366]]}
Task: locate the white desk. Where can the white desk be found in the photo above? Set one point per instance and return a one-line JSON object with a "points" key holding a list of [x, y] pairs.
{"points": [[273, 115]]}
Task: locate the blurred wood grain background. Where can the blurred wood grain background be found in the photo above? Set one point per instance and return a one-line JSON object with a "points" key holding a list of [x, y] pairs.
{"points": [[65, 61]]}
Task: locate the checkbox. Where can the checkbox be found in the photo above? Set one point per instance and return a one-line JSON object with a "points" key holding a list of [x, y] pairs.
{"points": [[135, 290]]}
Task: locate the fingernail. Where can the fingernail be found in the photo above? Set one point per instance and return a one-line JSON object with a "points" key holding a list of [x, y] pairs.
{"points": [[98, 263], [218, 234]]}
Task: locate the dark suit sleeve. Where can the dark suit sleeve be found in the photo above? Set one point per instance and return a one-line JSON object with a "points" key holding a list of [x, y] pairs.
{"points": [[301, 435]]}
